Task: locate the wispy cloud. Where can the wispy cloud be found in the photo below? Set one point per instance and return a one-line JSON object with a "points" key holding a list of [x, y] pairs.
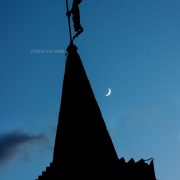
{"points": [[12, 141]]}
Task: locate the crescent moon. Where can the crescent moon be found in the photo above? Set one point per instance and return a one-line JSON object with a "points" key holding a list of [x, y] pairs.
{"points": [[109, 92]]}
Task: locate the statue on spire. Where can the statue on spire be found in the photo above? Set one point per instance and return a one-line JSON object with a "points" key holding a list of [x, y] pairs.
{"points": [[75, 12]]}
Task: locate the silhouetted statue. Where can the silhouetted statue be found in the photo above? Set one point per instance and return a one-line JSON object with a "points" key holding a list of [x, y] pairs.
{"points": [[76, 17]]}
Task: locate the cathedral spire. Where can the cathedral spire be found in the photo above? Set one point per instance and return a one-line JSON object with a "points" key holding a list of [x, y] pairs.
{"points": [[82, 144], [83, 148], [82, 137]]}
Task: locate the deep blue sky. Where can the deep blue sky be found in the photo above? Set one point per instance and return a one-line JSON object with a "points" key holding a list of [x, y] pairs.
{"points": [[130, 46]]}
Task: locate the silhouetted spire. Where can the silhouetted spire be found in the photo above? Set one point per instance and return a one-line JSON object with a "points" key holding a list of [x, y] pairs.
{"points": [[83, 148], [82, 138], [82, 145]]}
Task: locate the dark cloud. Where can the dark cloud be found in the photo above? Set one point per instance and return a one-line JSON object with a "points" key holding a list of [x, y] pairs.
{"points": [[11, 142]]}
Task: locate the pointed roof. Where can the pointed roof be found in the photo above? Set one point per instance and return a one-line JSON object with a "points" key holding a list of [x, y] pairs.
{"points": [[83, 148], [82, 136]]}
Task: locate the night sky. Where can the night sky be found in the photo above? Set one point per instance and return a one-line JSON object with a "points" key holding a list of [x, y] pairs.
{"points": [[130, 46]]}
